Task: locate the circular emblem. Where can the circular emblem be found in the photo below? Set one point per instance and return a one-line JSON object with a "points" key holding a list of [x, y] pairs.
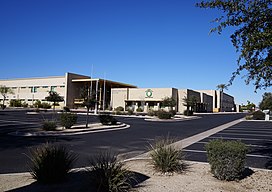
{"points": [[148, 93]]}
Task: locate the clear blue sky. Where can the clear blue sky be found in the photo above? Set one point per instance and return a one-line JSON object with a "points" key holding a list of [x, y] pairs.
{"points": [[148, 43]]}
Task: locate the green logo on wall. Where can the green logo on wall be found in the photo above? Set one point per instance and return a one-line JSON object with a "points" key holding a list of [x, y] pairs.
{"points": [[148, 93]]}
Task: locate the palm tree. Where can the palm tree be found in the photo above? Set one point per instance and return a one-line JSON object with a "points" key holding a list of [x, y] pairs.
{"points": [[221, 88], [54, 97], [4, 91]]}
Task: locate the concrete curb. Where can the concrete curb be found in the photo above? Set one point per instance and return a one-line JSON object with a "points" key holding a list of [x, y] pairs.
{"points": [[171, 120], [80, 132]]}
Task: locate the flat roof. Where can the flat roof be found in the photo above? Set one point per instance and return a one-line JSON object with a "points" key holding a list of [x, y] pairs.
{"points": [[30, 78], [102, 80]]}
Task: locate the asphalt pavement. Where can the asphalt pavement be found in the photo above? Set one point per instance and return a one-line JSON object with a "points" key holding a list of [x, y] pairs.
{"points": [[127, 143], [257, 135]]}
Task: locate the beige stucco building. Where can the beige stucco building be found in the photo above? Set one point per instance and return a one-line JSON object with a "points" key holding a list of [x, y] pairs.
{"points": [[68, 86], [111, 94], [151, 98]]}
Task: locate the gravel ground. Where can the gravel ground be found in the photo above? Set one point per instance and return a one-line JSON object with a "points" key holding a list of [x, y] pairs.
{"points": [[196, 178]]}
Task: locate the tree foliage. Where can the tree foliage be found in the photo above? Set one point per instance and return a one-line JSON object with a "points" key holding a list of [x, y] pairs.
{"points": [[222, 87], [4, 92], [252, 38], [169, 102], [266, 102], [54, 97]]}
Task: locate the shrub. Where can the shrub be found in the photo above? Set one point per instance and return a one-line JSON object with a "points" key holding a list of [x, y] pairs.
{"points": [[164, 115], [249, 117], [15, 103], [227, 158], [51, 163], [151, 112], [188, 113], [139, 109], [166, 158], [108, 174], [49, 125], [24, 104], [45, 105], [66, 109], [258, 115], [107, 119], [38, 104], [173, 113], [120, 108], [3, 106], [67, 120], [130, 112]]}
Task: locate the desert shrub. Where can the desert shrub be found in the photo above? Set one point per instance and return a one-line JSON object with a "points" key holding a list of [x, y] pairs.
{"points": [[139, 109], [151, 112], [227, 158], [107, 119], [49, 125], [15, 103], [3, 106], [66, 109], [165, 157], [120, 108], [51, 163], [37, 104], [45, 105], [67, 120], [249, 117], [108, 174], [258, 115], [188, 113], [130, 112], [173, 113], [24, 104], [164, 115]]}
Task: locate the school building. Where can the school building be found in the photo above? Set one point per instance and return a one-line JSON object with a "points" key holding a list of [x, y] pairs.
{"points": [[111, 94]]}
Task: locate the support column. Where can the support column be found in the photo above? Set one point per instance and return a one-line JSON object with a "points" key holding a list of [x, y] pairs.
{"points": [[96, 97]]}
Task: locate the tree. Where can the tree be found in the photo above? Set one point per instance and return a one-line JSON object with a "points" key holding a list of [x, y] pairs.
{"points": [[252, 38], [169, 102], [4, 91], [88, 101], [221, 88], [266, 102], [250, 106], [189, 102], [54, 97]]}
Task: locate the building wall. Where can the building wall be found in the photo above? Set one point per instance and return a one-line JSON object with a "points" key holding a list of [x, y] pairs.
{"points": [[221, 101], [32, 89], [186, 93], [73, 88], [118, 97]]}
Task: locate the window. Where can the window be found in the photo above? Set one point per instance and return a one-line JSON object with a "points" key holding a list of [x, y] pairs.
{"points": [[44, 87], [34, 89], [62, 86], [53, 88], [23, 87]]}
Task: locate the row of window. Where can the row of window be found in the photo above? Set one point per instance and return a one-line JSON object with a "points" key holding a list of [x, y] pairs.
{"points": [[35, 89]]}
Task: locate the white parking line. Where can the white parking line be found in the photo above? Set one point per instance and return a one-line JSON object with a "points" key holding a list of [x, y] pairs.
{"points": [[248, 145], [237, 138], [248, 155], [244, 134], [251, 129], [239, 131]]}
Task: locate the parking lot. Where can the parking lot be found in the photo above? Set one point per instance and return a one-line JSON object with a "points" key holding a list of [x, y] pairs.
{"points": [[257, 135]]}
